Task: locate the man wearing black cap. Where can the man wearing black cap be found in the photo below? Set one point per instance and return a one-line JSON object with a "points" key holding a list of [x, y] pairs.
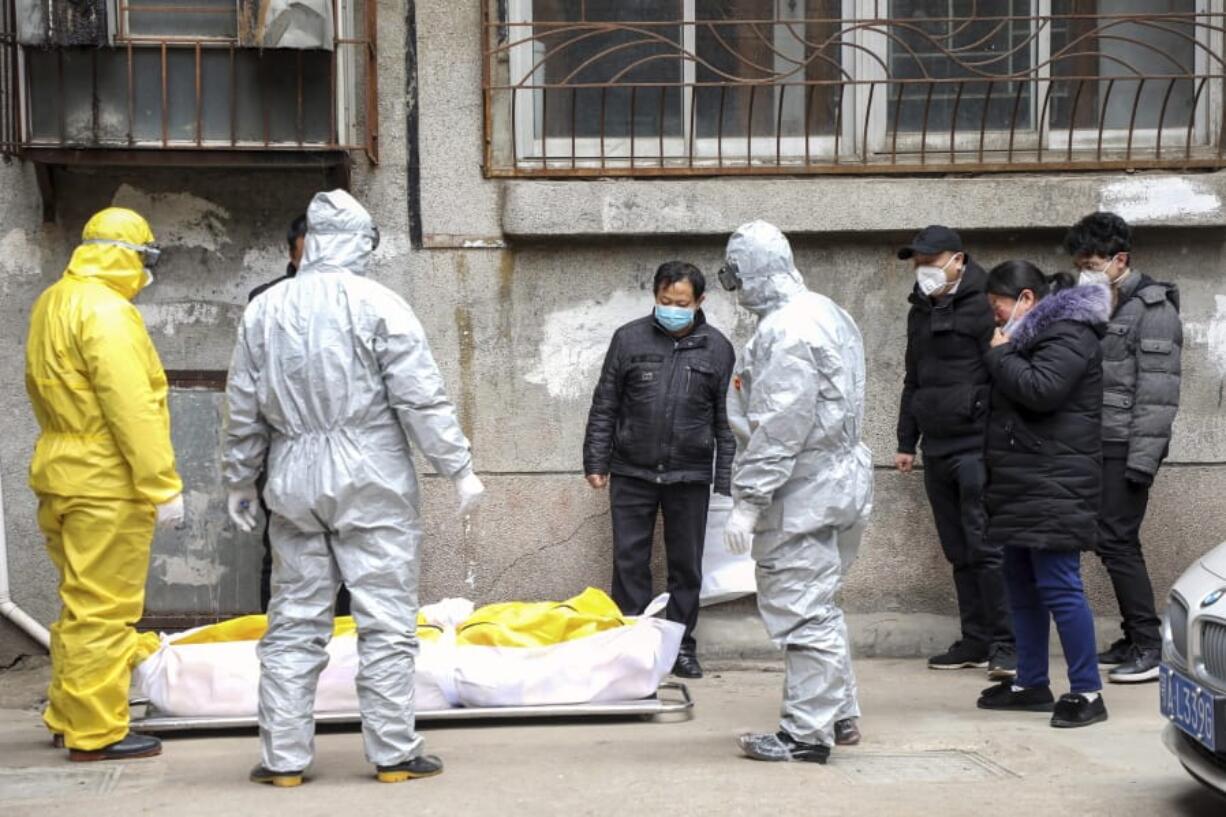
{"points": [[945, 403]]}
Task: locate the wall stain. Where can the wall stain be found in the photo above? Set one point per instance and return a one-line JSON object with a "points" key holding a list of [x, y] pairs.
{"points": [[506, 303], [467, 343]]}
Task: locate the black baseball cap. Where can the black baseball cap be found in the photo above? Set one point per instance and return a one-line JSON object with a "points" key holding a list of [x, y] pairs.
{"points": [[932, 240]]}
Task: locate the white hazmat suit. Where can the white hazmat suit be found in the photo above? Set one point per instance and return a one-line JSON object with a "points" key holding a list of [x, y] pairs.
{"points": [[802, 481], [333, 378]]}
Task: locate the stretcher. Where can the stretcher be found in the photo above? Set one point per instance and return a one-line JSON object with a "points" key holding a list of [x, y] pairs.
{"points": [[673, 698], [580, 658]]}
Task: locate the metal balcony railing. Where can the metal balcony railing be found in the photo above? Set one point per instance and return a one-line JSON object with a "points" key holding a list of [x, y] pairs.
{"points": [[188, 78], [702, 87]]}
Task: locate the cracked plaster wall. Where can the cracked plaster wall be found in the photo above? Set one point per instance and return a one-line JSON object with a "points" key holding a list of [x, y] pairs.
{"points": [[519, 331]]}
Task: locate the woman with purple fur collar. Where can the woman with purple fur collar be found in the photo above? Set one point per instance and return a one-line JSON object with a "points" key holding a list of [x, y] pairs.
{"points": [[1044, 463]]}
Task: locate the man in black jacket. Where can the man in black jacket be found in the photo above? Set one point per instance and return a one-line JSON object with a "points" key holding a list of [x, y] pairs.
{"points": [[296, 237], [945, 402], [657, 427]]}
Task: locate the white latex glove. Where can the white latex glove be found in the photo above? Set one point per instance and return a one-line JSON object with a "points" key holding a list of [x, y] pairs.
{"points": [[471, 490], [738, 534], [170, 514], [240, 504]]}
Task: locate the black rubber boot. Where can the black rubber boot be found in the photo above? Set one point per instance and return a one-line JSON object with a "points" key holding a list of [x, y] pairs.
{"points": [[130, 748], [282, 780], [415, 769], [782, 747]]}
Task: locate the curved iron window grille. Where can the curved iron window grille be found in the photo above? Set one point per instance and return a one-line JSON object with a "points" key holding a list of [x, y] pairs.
{"points": [[702, 87]]}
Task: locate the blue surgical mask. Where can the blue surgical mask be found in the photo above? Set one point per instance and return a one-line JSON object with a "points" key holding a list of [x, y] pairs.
{"points": [[674, 318]]}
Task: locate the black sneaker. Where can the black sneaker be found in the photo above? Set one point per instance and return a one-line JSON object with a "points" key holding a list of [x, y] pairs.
{"points": [[1118, 653], [1002, 665], [782, 747], [282, 780], [847, 732], [1003, 696], [960, 655], [687, 666], [414, 769], [1076, 710], [1140, 668], [130, 748]]}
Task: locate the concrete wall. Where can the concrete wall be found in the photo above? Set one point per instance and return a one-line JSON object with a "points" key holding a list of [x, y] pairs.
{"points": [[519, 327]]}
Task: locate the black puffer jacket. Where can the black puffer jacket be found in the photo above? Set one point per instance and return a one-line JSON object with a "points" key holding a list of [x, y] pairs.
{"points": [[945, 393], [659, 411], [1044, 443]]}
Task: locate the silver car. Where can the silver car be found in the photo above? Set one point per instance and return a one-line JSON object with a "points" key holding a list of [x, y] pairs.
{"points": [[1192, 679]]}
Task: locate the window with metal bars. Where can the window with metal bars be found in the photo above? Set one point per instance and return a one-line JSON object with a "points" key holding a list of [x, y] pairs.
{"points": [[664, 87], [191, 74]]}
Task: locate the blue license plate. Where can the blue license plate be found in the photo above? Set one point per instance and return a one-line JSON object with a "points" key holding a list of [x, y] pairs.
{"points": [[1190, 706]]}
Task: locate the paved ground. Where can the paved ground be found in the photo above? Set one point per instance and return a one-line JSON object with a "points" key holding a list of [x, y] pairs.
{"points": [[927, 751]]}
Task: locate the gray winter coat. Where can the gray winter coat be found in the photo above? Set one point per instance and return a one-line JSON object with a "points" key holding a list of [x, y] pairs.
{"points": [[1141, 371]]}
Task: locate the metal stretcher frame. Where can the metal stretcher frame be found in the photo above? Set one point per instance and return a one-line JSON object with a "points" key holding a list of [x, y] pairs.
{"points": [[671, 698]]}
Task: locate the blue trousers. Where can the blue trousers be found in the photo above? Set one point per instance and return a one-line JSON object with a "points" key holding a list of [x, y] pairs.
{"points": [[1044, 585]]}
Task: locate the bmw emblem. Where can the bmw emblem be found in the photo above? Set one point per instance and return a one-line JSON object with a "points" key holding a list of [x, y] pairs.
{"points": [[1213, 598]]}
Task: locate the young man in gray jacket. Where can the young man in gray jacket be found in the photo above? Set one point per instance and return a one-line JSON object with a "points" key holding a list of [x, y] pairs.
{"points": [[1141, 373]]}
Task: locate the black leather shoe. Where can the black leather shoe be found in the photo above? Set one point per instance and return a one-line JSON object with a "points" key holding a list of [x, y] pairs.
{"points": [[1003, 696], [1002, 665], [847, 732], [961, 655], [415, 769], [130, 748], [1117, 653], [687, 666], [1142, 666], [1075, 710], [282, 780]]}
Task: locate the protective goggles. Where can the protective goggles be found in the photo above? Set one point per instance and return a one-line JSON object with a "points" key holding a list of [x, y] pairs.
{"points": [[730, 276], [150, 253]]}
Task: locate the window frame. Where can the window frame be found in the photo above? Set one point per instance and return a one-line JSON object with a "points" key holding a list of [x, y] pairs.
{"points": [[865, 136], [354, 45]]}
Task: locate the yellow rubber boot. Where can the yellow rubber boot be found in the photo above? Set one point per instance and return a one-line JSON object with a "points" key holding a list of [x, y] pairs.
{"points": [[282, 780]]}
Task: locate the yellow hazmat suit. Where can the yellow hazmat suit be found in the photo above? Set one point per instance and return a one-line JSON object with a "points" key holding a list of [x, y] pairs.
{"points": [[102, 463]]}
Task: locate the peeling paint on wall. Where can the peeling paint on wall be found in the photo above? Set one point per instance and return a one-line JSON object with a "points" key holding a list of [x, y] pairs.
{"points": [[1211, 334], [178, 219], [186, 569], [1159, 198], [267, 261], [168, 317], [576, 338], [628, 215], [19, 255]]}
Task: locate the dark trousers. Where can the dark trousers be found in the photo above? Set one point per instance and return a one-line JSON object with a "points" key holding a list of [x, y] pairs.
{"points": [[1044, 585], [342, 598], [955, 490], [1119, 547], [634, 504]]}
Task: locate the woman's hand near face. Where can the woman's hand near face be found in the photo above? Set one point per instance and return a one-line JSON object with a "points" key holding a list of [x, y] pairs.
{"points": [[999, 338]]}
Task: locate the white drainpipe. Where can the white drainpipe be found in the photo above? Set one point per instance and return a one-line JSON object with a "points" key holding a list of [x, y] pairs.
{"points": [[8, 607]]}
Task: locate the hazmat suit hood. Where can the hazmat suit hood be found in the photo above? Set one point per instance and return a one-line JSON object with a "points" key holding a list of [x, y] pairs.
{"points": [[120, 268], [341, 235], [762, 256]]}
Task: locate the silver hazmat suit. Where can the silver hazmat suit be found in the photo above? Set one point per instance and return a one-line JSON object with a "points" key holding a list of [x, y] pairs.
{"points": [[333, 378], [798, 405]]}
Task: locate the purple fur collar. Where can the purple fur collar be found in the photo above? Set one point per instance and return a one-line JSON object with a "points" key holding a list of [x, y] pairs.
{"points": [[1089, 305]]}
